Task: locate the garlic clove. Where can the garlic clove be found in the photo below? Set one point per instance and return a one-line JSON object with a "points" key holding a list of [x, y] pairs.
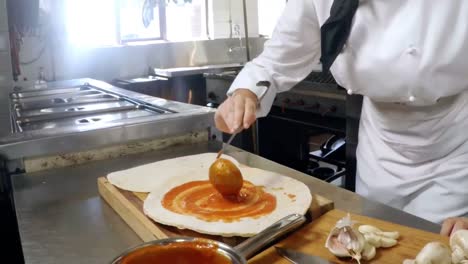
{"points": [[457, 254], [368, 252], [434, 253], [368, 229], [373, 239], [409, 261], [372, 229], [392, 235], [459, 246], [386, 242]]}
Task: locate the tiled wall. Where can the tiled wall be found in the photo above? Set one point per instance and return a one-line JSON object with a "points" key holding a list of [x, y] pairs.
{"points": [[5, 70], [223, 10]]}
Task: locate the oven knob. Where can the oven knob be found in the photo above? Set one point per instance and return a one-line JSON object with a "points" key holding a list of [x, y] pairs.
{"points": [[315, 106], [286, 101], [212, 105], [331, 109]]}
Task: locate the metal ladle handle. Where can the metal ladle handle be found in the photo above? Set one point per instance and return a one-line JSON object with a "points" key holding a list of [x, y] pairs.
{"points": [[250, 246]]}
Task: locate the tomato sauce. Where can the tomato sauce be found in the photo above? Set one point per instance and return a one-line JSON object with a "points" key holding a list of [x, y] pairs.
{"points": [[192, 252], [200, 199]]}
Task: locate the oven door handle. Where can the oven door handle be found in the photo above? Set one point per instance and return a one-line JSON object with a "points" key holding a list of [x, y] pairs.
{"points": [[9, 230], [5, 183], [332, 144], [337, 175]]}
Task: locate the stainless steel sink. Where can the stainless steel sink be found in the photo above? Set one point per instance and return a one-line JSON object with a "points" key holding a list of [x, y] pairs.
{"points": [[57, 95], [81, 105], [49, 91], [50, 101], [86, 120], [72, 111], [66, 109]]}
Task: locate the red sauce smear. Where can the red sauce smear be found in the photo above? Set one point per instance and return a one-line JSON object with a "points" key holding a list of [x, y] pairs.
{"points": [[200, 199], [181, 252]]}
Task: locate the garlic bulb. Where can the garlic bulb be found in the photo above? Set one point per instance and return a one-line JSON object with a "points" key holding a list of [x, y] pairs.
{"points": [[345, 241], [432, 253], [459, 246]]}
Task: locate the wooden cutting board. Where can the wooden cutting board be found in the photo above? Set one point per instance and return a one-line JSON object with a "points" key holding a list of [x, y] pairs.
{"points": [[311, 240], [129, 205]]}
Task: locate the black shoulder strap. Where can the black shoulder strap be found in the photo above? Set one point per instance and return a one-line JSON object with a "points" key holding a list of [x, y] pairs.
{"points": [[335, 31]]}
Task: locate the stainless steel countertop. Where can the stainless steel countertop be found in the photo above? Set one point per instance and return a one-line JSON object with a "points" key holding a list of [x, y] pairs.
{"points": [[188, 118], [62, 219], [194, 70]]}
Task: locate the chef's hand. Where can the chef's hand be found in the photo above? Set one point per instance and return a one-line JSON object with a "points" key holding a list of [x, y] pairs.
{"points": [[238, 111], [451, 225]]}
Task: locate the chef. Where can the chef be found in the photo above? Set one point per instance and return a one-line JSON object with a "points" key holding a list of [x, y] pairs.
{"points": [[409, 60]]}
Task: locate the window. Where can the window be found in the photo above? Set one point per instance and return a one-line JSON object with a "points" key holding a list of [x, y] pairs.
{"points": [[111, 22], [186, 21], [140, 20], [90, 22], [269, 11]]}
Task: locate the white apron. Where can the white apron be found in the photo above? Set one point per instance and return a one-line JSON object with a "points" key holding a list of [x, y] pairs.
{"points": [[415, 158]]}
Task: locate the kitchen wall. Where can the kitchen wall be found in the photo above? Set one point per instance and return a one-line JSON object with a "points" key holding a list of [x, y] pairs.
{"points": [[226, 14], [5, 70], [61, 61], [107, 63]]}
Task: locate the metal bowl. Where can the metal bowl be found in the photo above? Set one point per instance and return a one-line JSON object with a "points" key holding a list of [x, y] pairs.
{"points": [[238, 254], [223, 249]]}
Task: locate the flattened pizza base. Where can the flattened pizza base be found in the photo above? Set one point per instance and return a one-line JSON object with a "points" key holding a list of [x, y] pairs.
{"points": [[292, 196]]}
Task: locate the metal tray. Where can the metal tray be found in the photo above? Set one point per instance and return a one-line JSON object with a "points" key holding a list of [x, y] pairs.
{"points": [[63, 99], [49, 91], [81, 121]]}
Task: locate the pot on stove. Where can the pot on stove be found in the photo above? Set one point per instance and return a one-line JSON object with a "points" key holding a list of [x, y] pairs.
{"points": [[323, 173]]}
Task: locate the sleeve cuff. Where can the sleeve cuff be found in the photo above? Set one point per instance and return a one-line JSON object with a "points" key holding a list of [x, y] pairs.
{"points": [[252, 80]]}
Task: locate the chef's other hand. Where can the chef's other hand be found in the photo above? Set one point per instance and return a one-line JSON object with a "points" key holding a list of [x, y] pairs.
{"points": [[451, 225], [238, 111]]}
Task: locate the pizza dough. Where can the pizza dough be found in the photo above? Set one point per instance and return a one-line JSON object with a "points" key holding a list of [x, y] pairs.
{"points": [[158, 178], [292, 196], [149, 176]]}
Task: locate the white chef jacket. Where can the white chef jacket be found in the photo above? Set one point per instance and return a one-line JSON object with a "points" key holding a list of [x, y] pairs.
{"points": [[409, 59]]}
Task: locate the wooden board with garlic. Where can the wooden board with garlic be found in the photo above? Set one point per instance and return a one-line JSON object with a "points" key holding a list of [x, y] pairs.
{"points": [[362, 243], [437, 252]]}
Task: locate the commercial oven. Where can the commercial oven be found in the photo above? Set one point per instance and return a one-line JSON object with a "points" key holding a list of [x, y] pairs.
{"points": [[310, 128]]}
